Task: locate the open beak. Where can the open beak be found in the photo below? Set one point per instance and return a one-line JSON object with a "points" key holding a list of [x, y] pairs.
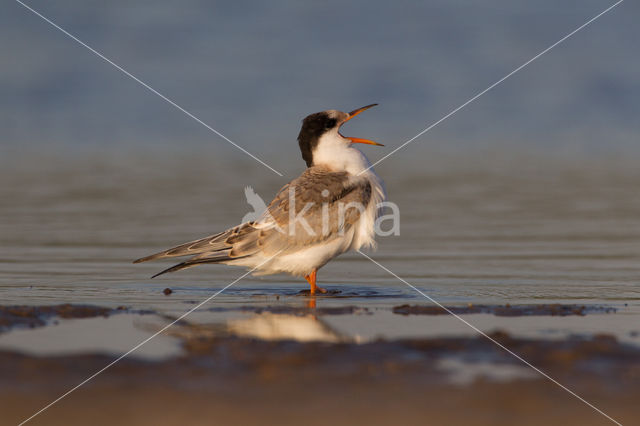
{"points": [[358, 111], [360, 140]]}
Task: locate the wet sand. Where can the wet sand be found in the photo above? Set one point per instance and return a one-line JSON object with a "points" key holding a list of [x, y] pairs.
{"points": [[37, 316], [222, 378], [504, 311]]}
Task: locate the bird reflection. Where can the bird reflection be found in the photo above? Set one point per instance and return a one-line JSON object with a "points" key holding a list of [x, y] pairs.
{"points": [[284, 326]]}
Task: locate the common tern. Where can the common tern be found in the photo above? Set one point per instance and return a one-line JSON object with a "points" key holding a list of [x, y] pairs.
{"points": [[329, 209]]}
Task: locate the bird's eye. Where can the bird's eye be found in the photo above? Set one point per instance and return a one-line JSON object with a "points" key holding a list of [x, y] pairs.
{"points": [[330, 124]]}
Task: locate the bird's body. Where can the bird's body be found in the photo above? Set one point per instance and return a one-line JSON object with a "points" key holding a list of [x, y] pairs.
{"points": [[329, 209]]}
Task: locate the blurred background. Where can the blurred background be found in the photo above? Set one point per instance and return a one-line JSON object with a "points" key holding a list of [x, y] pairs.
{"points": [[253, 70]]}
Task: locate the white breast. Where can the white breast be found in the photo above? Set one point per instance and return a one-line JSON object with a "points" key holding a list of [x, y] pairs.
{"points": [[337, 153], [365, 231]]}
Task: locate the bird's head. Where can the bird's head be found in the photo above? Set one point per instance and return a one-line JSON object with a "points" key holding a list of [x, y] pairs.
{"points": [[323, 128]]}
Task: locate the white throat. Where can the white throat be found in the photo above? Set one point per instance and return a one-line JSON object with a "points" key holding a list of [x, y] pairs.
{"points": [[336, 153]]}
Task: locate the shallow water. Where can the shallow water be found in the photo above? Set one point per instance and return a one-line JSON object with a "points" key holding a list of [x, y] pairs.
{"points": [[473, 230]]}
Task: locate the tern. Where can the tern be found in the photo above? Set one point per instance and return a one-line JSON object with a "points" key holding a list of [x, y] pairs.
{"points": [[329, 209]]}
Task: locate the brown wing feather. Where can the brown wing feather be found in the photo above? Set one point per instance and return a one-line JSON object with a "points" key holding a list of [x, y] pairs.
{"points": [[211, 243], [321, 187]]}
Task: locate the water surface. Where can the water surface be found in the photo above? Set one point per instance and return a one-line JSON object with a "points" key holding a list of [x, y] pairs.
{"points": [[473, 230]]}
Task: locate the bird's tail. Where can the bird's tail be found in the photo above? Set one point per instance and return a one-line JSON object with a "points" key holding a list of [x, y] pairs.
{"points": [[218, 248], [218, 257]]}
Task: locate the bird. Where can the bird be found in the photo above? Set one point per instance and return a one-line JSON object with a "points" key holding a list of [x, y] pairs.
{"points": [[331, 208]]}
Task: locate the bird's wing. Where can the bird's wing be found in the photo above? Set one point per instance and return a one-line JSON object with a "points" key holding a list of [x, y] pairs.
{"points": [[211, 244], [318, 206], [306, 211]]}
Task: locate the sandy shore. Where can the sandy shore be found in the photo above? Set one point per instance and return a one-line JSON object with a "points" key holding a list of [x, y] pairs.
{"points": [[221, 378]]}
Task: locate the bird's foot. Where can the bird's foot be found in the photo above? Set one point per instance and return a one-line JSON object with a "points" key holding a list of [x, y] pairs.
{"points": [[319, 290]]}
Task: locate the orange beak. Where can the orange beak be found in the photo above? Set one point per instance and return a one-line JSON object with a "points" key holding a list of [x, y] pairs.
{"points": [[360, 140]]}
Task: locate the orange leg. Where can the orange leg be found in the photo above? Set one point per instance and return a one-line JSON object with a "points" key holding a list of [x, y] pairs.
{"points": [[311, 279]]}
